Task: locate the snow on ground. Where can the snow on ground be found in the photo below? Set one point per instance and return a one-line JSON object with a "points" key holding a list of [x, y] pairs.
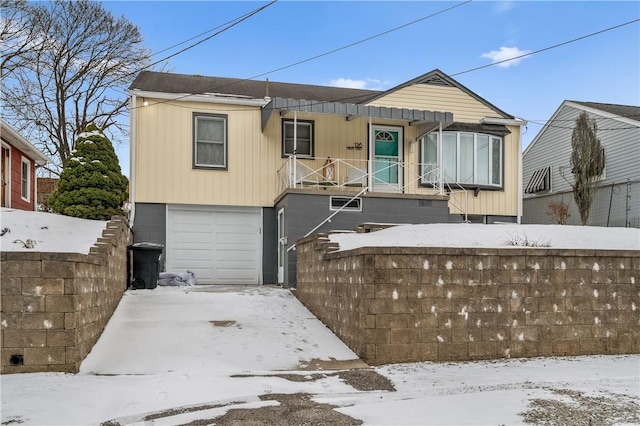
{"points": [[183, 347], [233, 327], [179, 347], [50, 232], [494, 236], [53, 232], [489, 392]]}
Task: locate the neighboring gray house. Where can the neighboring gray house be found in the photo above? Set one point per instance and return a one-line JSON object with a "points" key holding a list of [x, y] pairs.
{"points": [[547, 173]]}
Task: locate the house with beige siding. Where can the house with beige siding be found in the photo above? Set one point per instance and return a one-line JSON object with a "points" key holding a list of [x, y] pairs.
{"points": [[228, 173], [547, 177], [18, 165]]}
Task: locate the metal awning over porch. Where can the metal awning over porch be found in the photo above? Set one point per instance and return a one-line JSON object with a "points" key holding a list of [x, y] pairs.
{"points": [[352, 111]]}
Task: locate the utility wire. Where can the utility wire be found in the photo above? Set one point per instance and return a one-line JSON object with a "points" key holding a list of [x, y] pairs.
{"points": [[322, 54], [230, 25], [192, 38], [402, 26], [546, 48], [360, 41], [546, 124]]}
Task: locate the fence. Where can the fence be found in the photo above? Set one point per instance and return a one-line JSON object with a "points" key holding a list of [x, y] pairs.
{"points": [[615, 205]]}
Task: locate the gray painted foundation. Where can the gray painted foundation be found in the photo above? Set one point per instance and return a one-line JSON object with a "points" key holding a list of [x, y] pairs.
{"points": [[303, 212], [150, 225]]}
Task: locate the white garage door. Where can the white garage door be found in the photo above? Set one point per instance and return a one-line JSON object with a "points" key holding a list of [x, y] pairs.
{"points": [[220, 245]]}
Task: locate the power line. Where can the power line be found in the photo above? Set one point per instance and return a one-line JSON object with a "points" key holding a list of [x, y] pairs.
{"points": [[228, 25], [192, 38], [231, 24], [361, 41], [546, 48], [402, 26], [537, 122], [546, 124], [324, 54]]}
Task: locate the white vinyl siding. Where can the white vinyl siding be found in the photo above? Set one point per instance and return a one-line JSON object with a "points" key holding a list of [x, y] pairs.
{"points": [[429, 97], [553, 148]]}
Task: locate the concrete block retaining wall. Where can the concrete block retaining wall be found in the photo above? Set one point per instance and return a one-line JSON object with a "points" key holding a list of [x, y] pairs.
{"points": [[398, 304], [56, 305]]}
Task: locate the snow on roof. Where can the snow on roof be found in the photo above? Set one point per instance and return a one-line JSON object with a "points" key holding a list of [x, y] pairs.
{"points": [[47, 232], [494, 236]]}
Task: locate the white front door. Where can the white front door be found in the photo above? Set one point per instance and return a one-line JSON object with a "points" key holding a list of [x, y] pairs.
{"points": [[282, 246], [386, 157]]}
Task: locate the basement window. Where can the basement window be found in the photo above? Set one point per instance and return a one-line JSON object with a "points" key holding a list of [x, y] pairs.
{"points": [[345, 203]]}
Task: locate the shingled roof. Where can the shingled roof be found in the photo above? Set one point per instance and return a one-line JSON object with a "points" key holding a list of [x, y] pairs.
{"points": [[152, 81], [627, 111]]}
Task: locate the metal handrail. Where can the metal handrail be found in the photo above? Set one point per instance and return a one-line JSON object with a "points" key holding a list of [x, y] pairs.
{"points": [[350, 173]]}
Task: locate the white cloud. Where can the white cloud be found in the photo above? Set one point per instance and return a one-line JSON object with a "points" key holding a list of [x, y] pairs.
{"points": [[505, 54], [349, 83], [370, 83], [503, 6]]}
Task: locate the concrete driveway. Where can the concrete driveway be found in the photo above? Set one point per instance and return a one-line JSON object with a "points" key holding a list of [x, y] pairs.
{"points": [[254, 355]]}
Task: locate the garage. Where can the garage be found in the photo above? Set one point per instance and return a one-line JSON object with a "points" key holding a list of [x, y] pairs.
{"points": [[221, 245]]}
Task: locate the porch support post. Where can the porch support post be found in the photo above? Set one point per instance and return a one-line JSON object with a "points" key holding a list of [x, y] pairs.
{"points": [[371, 153], [295, 148], [441, 167]]}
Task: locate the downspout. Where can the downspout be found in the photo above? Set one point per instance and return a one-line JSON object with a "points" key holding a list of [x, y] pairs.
{"points": [[295, 148], [132, 159], [441, 171], [521, 124], [519, 208], [35, 186], [370, 161]]}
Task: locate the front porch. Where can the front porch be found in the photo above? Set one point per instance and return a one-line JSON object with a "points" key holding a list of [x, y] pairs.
{"points": [[381, 177], [386, 175]]}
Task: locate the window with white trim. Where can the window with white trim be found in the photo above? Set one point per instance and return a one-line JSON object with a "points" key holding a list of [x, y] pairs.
{"points": [[209, 141], [304, 138], [468, 159], [25, 179]]}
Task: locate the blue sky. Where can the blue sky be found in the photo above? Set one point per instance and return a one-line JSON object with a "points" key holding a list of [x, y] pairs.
{"points": [[603, 68]]}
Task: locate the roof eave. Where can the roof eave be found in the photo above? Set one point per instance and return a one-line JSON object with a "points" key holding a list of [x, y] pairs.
{"points": [[16, 139], [349, 111], [451, 81], [205, 98]]}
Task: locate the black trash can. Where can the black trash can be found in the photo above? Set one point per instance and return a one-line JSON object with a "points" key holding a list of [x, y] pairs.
{"points": [[146, 265]]}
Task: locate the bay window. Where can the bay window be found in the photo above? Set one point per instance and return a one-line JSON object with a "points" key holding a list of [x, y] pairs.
{"points": [[468, 159]]}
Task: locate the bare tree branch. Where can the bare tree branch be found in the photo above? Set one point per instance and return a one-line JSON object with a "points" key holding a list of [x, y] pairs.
{"points": [[587, 162], [68, 75]]}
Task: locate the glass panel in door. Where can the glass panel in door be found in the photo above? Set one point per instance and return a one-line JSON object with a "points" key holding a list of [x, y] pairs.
{"points": [[282, 246], [386, 159]]}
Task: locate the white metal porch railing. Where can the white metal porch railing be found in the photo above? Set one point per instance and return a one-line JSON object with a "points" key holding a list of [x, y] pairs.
{"points": [[357, 174]]}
